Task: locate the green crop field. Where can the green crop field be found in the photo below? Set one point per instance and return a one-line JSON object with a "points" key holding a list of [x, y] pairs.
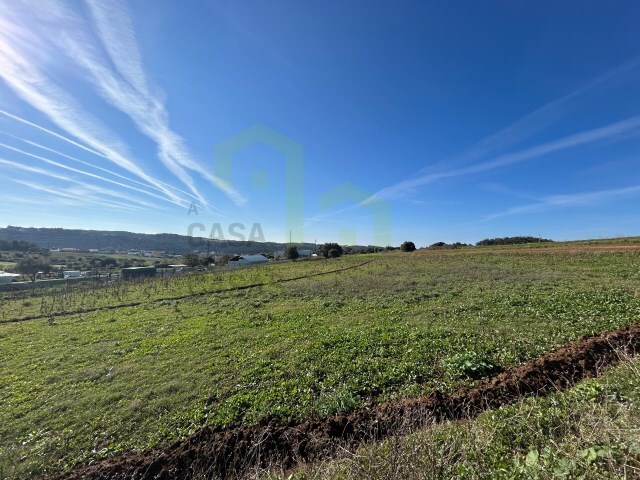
{"points": [[77, 385]]}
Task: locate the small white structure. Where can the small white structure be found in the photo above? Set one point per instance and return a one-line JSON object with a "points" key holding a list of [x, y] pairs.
{"points": [[72, 273], [247, 260], [6, 278]]}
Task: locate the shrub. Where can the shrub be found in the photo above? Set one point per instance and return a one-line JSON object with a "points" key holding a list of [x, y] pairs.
{"points": [[291, 253], [192, 259], [408, 247], [327, 247]]}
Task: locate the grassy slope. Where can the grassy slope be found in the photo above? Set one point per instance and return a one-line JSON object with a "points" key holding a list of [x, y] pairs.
{"points": [[591, 431], [104, 382]]}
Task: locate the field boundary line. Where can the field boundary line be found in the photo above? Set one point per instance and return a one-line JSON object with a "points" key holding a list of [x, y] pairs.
{"points": [[178, 297]]}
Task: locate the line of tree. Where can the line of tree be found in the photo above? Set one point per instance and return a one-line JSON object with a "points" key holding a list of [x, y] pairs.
{"points": [[19, 246], [511, 241], [443, 245]]}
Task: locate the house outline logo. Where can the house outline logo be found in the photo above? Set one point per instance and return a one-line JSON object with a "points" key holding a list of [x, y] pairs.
{"points": [[381, 212], [293, 153]]}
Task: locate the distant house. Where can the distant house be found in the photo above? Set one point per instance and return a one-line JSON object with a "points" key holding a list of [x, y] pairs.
{"points": [[138, 272], [247, 260]]}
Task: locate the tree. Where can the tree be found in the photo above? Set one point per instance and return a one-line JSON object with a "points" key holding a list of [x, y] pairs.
{"points": [[191, 259], [108, 262], [31, 266], [327, 247], [334, 253], [291, 253], [223, 260], [408, 247]]}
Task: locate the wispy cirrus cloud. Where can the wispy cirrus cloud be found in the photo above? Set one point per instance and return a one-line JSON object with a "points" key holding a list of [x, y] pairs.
{"points": [[608, 132], [127, 89], [93, 152], [34, 87], [583, 199], [81, 172], [80, 193], [113, 65], [79, 196], [523, 128]]}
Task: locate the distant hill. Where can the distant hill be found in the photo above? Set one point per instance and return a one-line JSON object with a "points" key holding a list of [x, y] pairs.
{"points": [[166, 242]]}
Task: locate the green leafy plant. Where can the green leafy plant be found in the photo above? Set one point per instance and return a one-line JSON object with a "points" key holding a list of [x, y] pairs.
{"points": [[469, 365]]}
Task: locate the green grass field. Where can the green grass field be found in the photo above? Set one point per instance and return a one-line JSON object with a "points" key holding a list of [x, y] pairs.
{"points": [[86, 385], [6, 265]]}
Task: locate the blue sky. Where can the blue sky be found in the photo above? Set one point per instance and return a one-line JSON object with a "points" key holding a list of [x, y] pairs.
{"points": [[421, 121]]}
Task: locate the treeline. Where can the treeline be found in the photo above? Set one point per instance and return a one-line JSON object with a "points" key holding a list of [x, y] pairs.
{"points": [[18, 246], [511, 241], [443, 245]]}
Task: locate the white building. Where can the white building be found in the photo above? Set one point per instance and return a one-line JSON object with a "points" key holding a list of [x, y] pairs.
{"points": [[7, 277], [247, 260]]}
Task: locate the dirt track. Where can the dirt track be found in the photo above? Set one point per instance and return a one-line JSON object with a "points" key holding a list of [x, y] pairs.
{"points": [[227, 453]]}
